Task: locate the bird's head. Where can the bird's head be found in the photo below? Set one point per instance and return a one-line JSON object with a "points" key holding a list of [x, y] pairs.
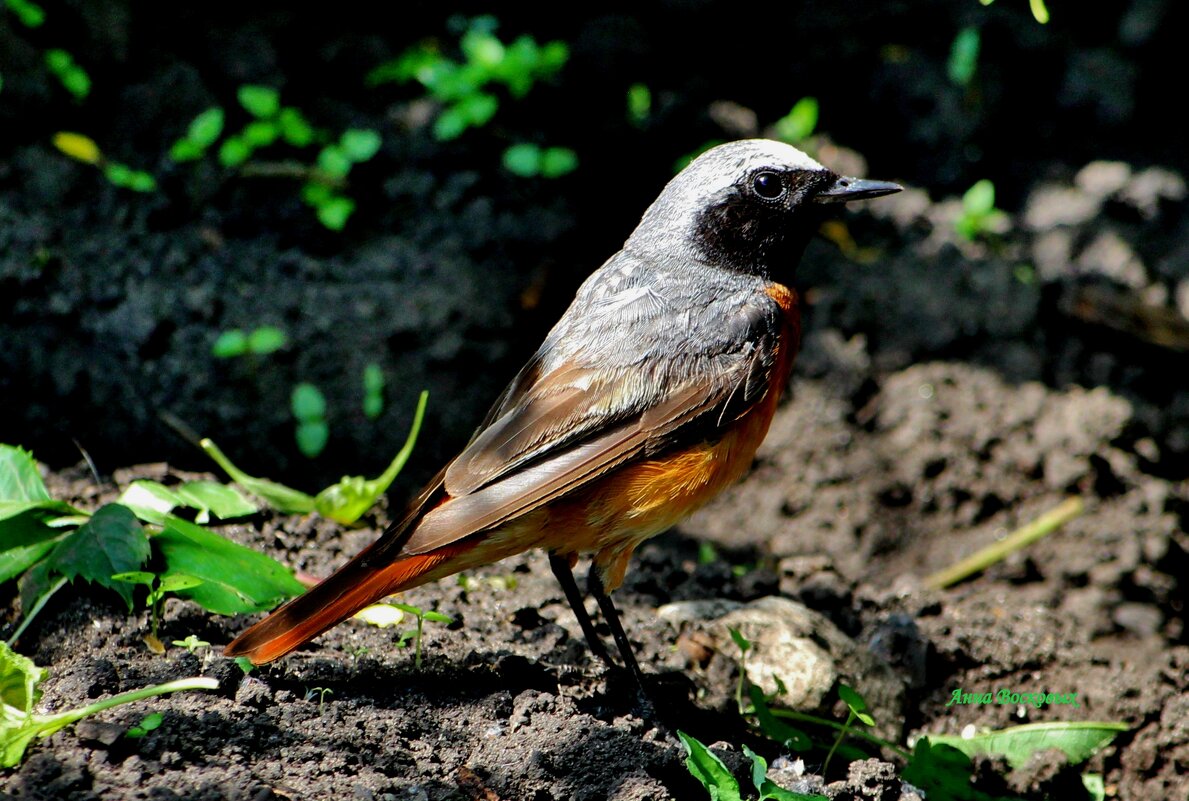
{"points": [[749, 206]]}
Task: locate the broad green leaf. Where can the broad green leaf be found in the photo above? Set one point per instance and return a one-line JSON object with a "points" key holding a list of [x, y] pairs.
{"points": [[278, 496], [19, 478], [221, 500], [111, 542], [26, 537], [260, 101], [19, 680], [709, 770], [792, 738], [347, 501], [234, 579], [149, 500], [142, 577], [1078, 740], [176, 582]]}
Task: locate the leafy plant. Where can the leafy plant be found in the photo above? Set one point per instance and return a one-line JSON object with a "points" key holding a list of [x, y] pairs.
{"points": [[856, 710], [464, 88], [979, 216], [153, 502], [148, 723], [1078, 740], [273, 123], [83, 148], [344, 502], [48, 543], [387, 615], [192, 643], [259, 342], [308, 405], [321, 692], [20, 682], [721, 784], [798, 125]]}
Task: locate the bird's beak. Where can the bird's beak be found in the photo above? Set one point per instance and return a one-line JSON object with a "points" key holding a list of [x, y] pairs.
{"points": [[845, 190]]}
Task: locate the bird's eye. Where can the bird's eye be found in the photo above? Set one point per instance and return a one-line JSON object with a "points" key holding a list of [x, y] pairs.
{"points": [[768, 185]]}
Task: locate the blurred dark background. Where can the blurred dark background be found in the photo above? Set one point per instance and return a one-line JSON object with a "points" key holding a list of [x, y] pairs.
{"points": [[452, 268]]}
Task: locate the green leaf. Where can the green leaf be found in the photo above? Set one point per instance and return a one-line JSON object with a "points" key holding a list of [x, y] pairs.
{"points": [[234, 151], [334, 162], [111, 542], [224, 502], [184, 150], [964, 56], [709, 770], [792, 738], [767, 788], [229, 344], [1078, 740], [558, 161], [19, 477], [856, 703], [147, 724], [335, 212], [76, 81], [979, 199], [58, 60], [139, 577], [359, 144], [149, 500], [141, 181], [19, 680], [1095, 786], [316, 194], [25, 539], [373, 406], [523, 159], [307, 403], [639, 100], [311, 437], [234, 579], [260, 133], [741, 641], [478, 108], [450, 124], [943, 773], [437, 617], [266, 339], [294, 128], [260, 101], [347, 501], [30, 14], [19, 726], [799, 124], [206, 128], [480, 47], [373, 379], [284, 499]]}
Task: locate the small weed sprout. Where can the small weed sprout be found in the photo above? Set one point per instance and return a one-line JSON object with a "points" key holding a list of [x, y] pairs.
{"points": [[83, 148], [192, 643], [321, 692], [148, 723], [979, 216], [258, 342], [422, 615], [308, 405]]}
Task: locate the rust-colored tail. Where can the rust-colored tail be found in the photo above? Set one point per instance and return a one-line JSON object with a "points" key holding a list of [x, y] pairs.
{"points": [[352, 587]]}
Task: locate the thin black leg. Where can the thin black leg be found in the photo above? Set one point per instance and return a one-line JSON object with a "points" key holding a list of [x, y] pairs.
{"points": [[611, 615], [565, 577]]}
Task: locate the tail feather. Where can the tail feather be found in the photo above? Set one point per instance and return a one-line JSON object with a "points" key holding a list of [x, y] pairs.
{"points": [[354, 586]]}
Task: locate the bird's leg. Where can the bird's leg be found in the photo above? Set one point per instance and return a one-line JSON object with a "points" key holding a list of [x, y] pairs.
{"points": [[565, 577], [594, 583]]}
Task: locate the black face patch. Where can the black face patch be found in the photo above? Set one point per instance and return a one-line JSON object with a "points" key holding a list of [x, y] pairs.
{"points": [[753, 228]]}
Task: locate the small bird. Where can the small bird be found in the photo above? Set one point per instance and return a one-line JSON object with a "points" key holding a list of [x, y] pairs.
{"points": [[648, 398]]}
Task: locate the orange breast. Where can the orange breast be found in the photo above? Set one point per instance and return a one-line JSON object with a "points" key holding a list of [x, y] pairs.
{"points": [[615, 514]]}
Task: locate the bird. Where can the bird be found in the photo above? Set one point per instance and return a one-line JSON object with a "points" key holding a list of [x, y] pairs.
{"points": [[648, 397]]}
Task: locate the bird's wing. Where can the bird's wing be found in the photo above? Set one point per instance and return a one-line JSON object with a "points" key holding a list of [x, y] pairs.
{"points": [[556, 430]]}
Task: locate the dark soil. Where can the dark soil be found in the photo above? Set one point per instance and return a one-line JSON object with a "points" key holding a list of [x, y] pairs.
{"points": [[948, 392]]}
